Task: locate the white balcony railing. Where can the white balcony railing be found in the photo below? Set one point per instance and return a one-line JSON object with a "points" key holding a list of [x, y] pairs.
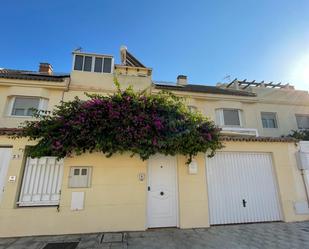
{"points": [[236, 131]]}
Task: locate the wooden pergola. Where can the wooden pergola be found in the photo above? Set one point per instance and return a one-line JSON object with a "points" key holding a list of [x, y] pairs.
{"points": [[243, 84]]}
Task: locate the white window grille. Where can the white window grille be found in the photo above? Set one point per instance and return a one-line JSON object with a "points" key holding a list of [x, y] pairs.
{"points": [[42, 181]]}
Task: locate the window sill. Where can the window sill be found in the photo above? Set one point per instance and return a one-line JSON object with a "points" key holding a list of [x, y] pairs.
{"points": [[231, 126], [82, 71], [36, 204], [15, 116]]}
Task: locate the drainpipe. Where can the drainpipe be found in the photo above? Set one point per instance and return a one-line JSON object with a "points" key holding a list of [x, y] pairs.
{"points": [[305, 175], [67, 88]]}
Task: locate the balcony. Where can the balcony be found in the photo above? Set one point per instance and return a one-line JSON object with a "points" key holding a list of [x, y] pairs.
{"points": [[236, 131]]}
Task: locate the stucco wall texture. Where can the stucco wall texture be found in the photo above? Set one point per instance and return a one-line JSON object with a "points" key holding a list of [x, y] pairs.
{"points": [[117, 199]]}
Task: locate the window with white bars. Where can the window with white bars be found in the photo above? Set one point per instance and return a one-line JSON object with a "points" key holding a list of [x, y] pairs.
{"points": [[42, 181]]}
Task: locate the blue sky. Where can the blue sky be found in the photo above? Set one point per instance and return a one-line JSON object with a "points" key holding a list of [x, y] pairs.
{"points": [[206, 40]]}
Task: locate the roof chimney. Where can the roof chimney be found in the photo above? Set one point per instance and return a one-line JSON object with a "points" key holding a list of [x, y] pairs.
{"points": [[123, 54], [182, 80], [46, 68]]}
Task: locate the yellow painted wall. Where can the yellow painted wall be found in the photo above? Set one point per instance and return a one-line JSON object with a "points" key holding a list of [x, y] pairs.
{"points": [[88, 81], [54, 96], [116, 200], [193, 202], [285, 103]]}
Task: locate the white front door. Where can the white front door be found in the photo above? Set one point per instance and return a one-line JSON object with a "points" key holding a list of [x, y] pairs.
{"points": [[242, 188], [5, 155], [162, 191]]}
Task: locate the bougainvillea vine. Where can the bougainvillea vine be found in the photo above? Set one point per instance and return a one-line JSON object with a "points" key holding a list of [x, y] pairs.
{"points": [[126, 121]]}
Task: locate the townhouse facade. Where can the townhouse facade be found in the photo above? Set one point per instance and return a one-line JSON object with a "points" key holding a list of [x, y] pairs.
{"points": [[258, 176]]}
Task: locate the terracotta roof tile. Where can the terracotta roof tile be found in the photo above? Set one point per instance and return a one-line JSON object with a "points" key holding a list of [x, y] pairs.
{"points": [[9, 131], [259, 139]]}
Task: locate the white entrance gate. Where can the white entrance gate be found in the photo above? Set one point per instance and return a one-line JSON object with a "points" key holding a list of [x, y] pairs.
{"points": [[162, 208], [5, 155], [241, 188]]}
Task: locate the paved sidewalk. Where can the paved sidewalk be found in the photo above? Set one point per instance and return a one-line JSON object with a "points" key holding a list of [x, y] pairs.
{"points": [[252, 236]]}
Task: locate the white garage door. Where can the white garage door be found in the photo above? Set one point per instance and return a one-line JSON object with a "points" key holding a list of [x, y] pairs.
{"points": [[241, 188]]}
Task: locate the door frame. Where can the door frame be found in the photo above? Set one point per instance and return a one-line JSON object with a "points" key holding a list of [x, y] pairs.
{"points": [[6, 171], [175, 162], [274, 177]]}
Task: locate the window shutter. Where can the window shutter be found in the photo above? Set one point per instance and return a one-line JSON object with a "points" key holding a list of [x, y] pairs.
{"points": [[41, 182]]}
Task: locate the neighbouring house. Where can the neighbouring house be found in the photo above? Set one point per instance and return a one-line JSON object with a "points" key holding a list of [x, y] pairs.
{"points": [[258, 176]]}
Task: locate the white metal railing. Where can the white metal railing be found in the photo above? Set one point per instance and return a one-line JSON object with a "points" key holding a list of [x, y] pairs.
{"points": [[240, 131]]}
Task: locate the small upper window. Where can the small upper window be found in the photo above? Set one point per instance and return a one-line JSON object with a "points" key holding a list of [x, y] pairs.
{"points": [[98, 64], [107, 68], [87, 63], [24, 106], [91, 63], [231, 117], [79, 61], [302, 121], [269, 120]]}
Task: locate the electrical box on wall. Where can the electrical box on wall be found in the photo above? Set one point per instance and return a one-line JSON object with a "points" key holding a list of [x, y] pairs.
{"points": [[80, 177], [193, 167], [77, 201]]}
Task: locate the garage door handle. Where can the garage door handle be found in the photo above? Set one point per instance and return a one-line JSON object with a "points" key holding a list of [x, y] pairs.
{"points": [[161, 193], [244, 202]]}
